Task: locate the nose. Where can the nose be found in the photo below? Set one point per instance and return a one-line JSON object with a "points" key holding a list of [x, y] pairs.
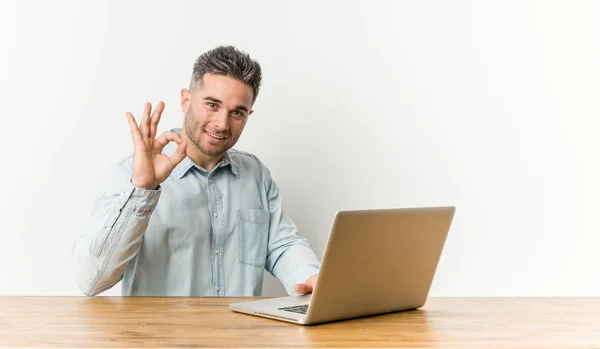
{"points": [[221, 120]]}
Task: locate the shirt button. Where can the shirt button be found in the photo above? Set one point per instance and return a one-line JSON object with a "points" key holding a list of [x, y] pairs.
{"points": [[218, 289], [216, 214], [217, 252]]}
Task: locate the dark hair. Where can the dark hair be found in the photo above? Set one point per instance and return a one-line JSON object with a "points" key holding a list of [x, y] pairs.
{"points": [[229, 61]]}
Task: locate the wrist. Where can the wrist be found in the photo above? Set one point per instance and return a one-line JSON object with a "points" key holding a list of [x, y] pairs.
{"points": [[151, 186]]}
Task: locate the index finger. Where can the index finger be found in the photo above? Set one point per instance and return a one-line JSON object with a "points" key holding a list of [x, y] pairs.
{"points": [[167, 137]]}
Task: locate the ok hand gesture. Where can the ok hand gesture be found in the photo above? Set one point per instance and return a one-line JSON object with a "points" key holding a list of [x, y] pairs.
{"points": [[150, 166]]}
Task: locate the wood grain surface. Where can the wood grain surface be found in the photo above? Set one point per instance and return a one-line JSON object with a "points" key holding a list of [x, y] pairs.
{"points": [[171, 322]]}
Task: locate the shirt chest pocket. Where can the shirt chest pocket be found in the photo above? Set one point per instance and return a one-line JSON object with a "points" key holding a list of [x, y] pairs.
{"points": [[253, 235]]}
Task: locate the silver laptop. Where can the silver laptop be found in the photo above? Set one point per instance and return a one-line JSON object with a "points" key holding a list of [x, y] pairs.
{"points": [[375, 262]]}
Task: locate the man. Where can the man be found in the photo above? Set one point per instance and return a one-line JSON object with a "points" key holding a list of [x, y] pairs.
{"points": [[186, 214]]}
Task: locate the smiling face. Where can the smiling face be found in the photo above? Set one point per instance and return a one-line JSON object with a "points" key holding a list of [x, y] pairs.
{"points": [[216, 111]]}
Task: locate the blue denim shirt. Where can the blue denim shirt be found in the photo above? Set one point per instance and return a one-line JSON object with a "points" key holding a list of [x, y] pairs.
{"points": [[199, 234]]}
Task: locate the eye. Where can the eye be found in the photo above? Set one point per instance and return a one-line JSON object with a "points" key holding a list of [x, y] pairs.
{"points": [[211, 105]]}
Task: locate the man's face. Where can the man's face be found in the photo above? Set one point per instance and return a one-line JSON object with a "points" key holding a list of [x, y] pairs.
{"points": [[216, 113]]}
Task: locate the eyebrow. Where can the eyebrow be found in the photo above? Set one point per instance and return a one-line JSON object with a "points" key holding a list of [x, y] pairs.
{"points": [[213, 99]]}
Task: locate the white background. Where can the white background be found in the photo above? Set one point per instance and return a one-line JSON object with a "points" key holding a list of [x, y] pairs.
{"points": [[491, 106]]}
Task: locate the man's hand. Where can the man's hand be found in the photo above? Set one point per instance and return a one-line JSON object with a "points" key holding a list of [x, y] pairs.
{"points": [[150, 166], [307, 287]]}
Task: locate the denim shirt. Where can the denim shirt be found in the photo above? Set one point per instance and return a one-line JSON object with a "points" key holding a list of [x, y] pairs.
{"points": [[199, 233]]}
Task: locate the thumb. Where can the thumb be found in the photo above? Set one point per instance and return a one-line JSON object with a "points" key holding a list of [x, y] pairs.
{"points": [[181, 151]]}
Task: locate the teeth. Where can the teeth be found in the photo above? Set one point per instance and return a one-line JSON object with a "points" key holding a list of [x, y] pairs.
{"points": [[214, 135]]}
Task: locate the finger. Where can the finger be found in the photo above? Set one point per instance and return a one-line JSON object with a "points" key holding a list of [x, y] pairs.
{"points": [[156, 118], [303, 288], [167, 137], [180, 153], [145, 123], [136, 135]]}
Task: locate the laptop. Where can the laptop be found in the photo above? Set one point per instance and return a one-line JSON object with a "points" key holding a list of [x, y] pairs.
{"points": [[375, 262]]}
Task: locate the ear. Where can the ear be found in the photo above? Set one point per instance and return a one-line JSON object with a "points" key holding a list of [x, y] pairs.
{"points": [[186, 99], [250, 112]]}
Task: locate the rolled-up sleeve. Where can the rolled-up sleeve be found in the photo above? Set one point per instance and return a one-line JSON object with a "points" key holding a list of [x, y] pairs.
{"points": [[119, 218]]}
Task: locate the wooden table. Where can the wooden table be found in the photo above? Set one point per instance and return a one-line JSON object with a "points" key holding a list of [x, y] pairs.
{"points": [[76, 322]]}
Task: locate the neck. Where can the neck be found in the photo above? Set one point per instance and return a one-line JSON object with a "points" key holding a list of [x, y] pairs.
{"points": [[205, 161]]}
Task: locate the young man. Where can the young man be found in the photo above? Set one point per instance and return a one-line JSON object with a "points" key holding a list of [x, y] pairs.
{"points": [[187, 215]]}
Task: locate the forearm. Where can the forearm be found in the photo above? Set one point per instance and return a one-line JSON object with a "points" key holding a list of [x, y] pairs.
{"points": [[114, 237], [295, 264], [290, 257]]}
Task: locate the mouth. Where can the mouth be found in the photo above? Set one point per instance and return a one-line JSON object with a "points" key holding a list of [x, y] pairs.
{"points": [[215, 136]]}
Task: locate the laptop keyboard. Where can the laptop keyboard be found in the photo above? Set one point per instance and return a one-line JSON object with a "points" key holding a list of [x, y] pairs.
{"points": [[300, 309]]}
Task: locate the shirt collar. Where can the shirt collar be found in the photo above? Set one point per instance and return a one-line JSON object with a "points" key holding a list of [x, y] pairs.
{"points": [[186, 164], [226, 160]]}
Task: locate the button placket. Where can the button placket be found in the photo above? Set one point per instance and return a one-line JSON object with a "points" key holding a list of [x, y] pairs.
{"points": [[217, 224]]}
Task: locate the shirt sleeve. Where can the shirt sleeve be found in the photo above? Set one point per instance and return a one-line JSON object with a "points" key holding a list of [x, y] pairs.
{"points": [[119, 218], [290, 257]]}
